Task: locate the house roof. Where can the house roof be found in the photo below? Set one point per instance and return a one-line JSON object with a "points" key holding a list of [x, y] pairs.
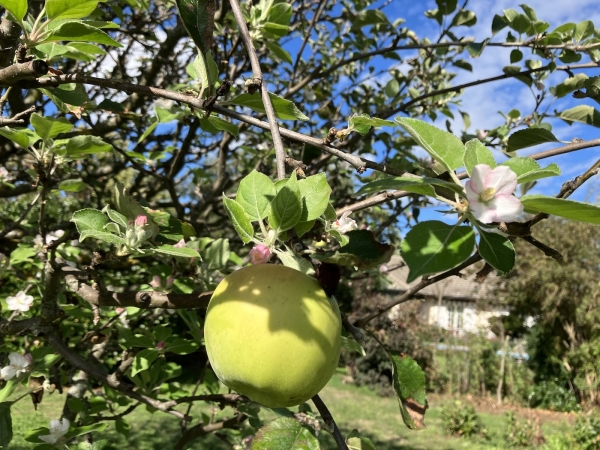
{"points": [[452, 287]]}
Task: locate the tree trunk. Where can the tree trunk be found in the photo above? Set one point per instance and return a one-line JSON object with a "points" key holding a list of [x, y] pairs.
{"points": [[502, 364]]}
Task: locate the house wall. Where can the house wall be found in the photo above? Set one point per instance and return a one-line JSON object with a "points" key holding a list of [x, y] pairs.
{"points": [[460, 316]]}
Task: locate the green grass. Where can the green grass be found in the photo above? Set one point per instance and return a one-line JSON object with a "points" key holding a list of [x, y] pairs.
{"points": [[352, 407]]}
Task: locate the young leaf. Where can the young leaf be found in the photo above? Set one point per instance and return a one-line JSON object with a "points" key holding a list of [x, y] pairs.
{"points": [[102, 236], [223, 125], [582, 113], [278, 51], [497, 250], [409, 384], [569, 209], [351, 345], [302, 228], [143, 360], [22, 137], [528, 169], [72, 185], [89, 219], [315, 192], [286, 207], [289, 259], [69, 9], [477, 153], [80, 32], [239, 219], [529, 137], [284, 109], [409, 184], [49, 128], [198, 18], [361, 250], [355, 441], [433, 246], [18, 8], [255, 194], [441, 145], [183, 252], [285, 433], [217, 255]]}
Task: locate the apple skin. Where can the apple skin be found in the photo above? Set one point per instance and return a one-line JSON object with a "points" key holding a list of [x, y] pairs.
{"points": [[272, 334]]}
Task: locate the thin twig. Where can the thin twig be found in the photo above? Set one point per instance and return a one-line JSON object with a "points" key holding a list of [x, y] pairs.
{"points": [[254, 62], [330, 423]]}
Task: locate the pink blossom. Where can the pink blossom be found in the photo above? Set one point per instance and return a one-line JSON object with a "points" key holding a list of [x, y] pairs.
{"points": [[344, 224], [490, 194], [260, 254], [119, 310], [160, 345], [170, 281], [180, 244], [141, 220], [156, 281], [481, 134]]}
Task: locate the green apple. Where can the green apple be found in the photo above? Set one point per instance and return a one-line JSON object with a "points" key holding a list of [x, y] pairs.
{"points": [[272, 334]]}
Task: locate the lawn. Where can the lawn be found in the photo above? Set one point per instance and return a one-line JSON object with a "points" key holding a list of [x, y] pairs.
{"points": [[352, 407]]}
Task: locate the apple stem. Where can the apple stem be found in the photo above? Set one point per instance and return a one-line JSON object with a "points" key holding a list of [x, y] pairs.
{"points": [[330, 423]]}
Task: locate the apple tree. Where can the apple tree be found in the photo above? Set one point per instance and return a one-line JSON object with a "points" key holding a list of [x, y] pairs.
{"points": [[151, 148]]}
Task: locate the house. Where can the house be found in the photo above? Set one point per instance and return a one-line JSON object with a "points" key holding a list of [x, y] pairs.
{"points": [[456, 304]]}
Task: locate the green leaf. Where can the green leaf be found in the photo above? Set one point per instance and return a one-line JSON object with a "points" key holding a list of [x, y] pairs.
{"points": [[102, 236], [89, 219], [217, 254], [286, 207], [290, 259], [362, 251], [86, 145], [529, 137], [465, 18], [198, 18], [516, 56], [444, 147], [416, 185], [475, 49], [181, 346], [115, 216], [255, 194], [80, 32], [409, 384], [223, 125], [351, 345], [23, 253], [70, 9], [497, 251], [569, 209], [18, 8], [583, 30], [22, 137], [143, 360], [239, 219], [302, 228], [446, 7], [72, 185], [183, 252], [285, 433], [528, 169], [315, 192], [357, 442], [392, 88], [363, 123], [284, 109], [570, 84], [477, 153], [278, 51], [48, 127], [582, 113], [433, 246], [6, 432]]}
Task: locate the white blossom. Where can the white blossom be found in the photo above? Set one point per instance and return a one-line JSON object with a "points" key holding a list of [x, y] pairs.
{"points": [[58, 428], [18, 364], [20, 302], [3, 174], [344, 224], [490, 194]]}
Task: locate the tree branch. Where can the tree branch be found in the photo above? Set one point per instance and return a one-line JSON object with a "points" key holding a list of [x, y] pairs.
{"points": [[200, 430], [11, 75], [277, 142]]}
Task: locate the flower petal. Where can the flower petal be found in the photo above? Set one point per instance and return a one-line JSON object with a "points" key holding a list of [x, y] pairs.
{"points": [[482, 212], [8, 372], [478, 177], [508, 208], [502, 179], [50, 439]]}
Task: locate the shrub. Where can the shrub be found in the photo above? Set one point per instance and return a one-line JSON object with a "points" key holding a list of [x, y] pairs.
{"points": [[462, 420], [586, 432], [522, 434], [553, 396]]}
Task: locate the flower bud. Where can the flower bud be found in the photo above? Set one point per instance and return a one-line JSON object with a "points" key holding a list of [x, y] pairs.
{"points": [[260, 254]]}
